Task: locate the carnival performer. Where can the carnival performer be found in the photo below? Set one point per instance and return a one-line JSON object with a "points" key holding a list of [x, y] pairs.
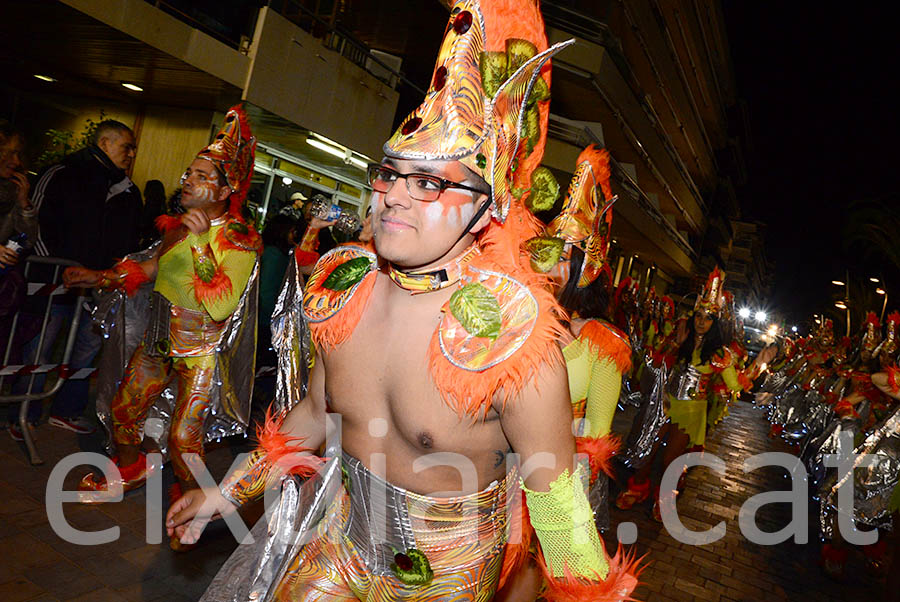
{"points": [[597, 353], [440, 351], [702, 359], [876, 491], [201, 270], [810, 375]]}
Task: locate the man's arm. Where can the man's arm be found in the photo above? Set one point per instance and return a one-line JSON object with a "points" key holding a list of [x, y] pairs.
{"points": [[539, 421], [286, 443], [538, 425], [49, 199]]}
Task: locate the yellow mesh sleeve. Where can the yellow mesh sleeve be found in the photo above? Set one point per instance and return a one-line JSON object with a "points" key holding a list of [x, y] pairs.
{"points": [[564, 523], [602, 397]]}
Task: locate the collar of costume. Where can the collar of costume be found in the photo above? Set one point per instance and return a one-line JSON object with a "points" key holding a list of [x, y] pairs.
{"points": [[434, 279]]}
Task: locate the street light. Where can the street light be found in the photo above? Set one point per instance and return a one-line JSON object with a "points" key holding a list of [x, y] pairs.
{"points": [[744, 313], [840, 305], [760, 316], [879, 291], [837, 282], [874, 279], [793, 329]]}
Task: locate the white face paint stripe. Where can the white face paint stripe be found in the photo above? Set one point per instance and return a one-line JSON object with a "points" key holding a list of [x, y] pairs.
{"points": [[433, 213]]}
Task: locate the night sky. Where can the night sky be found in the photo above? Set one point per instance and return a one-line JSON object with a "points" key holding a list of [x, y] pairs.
{"points": [[821, 85]]}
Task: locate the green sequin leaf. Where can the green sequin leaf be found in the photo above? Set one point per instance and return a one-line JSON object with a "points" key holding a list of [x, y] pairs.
{"points": [[416, 569], [477, 310], [347, 274], [544, 190], [238, 227], [492, 66], [545, 252], [203, 267]]}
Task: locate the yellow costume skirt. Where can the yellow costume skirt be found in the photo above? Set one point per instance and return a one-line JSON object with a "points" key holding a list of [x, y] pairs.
{"points": [[689, 415]]}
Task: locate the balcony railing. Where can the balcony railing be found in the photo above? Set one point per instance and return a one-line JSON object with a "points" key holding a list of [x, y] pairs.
{"points": [[581, 137], [336, 38], [231, 24], [595, 31]]}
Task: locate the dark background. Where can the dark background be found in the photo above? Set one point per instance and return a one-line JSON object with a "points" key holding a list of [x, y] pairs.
{"points": [[821, 84]]}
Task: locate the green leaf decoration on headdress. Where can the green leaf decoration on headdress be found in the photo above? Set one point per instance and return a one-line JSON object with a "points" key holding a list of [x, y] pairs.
{"points": [[412, 567], [347, 274], [545, 252], [544, 190], [477, 310]]}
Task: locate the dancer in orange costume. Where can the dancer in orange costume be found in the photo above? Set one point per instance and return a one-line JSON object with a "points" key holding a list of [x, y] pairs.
{"points": [[201, 270], [440, 350]]}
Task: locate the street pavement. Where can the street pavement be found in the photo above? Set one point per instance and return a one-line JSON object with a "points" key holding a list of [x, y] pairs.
{"points": [[36, 564]]}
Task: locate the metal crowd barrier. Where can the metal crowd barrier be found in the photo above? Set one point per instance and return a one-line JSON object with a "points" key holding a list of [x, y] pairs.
{"points": [[38, 291]]}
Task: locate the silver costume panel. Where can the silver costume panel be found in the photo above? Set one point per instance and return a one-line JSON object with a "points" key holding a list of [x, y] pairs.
{"points": [[124, 321]]}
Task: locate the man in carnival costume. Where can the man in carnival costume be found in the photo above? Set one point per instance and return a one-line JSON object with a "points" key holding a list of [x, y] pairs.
{"points": [[201, 311], [439, 350]]}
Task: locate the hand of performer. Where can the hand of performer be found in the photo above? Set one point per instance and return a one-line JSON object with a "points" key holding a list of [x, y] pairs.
{"points": [[196, 221], [767, 355], [189, 515], [681, 332], [76, 277], [23, 186], [8, 257], [318, 224]]}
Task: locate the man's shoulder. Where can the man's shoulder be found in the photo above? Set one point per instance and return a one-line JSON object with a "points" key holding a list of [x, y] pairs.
{"points": [[337, 278]]}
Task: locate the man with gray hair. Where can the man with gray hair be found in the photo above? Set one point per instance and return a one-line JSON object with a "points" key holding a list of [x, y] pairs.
{"points": [[89, 211]]}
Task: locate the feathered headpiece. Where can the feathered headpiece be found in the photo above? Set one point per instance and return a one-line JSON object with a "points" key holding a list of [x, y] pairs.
{"points": [[584, 221], [668, 307], [826, 332], [872, 336], [232, 151], [890, 344], [487, 105], [712, 298]]}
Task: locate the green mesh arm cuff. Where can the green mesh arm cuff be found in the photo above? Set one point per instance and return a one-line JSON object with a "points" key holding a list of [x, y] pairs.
{"points": [[564, 523]]}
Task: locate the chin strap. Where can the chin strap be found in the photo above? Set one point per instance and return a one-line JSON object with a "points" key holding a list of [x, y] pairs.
{"points": [[475, 218]]}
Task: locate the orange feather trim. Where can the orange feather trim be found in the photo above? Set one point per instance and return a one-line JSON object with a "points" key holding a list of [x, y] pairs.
{"points": [[600, 451], [134, 276], [238, 197], [336, 330], [215, 289], [470, 393], [608, 341], [166, 223], [620, 582], [519, 544], [599, 160], [506, 19], [286, 451], [237, 241], [893, 373], [305, 258]]}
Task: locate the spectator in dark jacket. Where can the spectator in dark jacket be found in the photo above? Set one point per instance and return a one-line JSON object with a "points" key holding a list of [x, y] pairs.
{"points": [[89, 211]]}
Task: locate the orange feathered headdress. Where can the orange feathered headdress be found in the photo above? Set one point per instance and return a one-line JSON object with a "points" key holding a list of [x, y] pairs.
{"points": [[488, 102], [890, 344], [712, 298], [584, 221], [233, 151]]}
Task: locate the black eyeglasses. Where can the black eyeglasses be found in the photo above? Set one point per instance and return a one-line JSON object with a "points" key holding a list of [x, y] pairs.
{"points": [[422, 187]]}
